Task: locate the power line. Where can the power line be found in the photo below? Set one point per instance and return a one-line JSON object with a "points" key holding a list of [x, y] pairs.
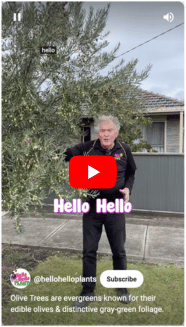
{"points": [[150, 40]]}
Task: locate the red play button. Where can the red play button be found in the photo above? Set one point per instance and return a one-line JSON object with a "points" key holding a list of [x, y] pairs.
{"points": [[92, 172]]}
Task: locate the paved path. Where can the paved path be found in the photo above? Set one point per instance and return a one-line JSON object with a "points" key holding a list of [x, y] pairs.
{"points": [[149, 240]]}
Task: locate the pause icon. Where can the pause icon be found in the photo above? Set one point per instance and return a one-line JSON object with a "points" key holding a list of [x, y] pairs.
{"points": [[17, 17]]}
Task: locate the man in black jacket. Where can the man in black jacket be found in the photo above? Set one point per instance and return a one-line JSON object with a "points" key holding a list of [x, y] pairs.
{"points": [[107, 128]]}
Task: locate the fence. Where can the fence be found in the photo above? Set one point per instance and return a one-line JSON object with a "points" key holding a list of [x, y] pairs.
{"points": [[159, 182]]}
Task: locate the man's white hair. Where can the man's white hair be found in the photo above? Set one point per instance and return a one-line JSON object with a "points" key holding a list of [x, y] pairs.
{"points": [[106, 118]]}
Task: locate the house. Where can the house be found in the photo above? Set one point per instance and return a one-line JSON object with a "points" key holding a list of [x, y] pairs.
{"points": [[166, 134]]}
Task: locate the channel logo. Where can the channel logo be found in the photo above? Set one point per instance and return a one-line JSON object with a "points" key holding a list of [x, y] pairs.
{"points": [[92, 172], [20, 278]]}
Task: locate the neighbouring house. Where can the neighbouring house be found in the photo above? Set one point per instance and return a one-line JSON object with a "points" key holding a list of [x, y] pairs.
{"points": [[166, 134]]}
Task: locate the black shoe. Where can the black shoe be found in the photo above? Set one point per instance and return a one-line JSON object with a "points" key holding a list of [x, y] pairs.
{"points": [[83, 300], [124, 295]]}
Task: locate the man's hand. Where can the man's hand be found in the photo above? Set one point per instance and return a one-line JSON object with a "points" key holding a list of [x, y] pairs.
{"points": [[126, 192]]}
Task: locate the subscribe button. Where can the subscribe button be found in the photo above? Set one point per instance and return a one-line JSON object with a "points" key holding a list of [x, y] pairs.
{"points": [[92, 172], [121, 278]]}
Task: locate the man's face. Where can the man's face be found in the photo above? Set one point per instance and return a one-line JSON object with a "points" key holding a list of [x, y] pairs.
{"points": [[107, 133]]}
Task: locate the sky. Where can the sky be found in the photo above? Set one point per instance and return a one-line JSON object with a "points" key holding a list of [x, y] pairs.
{"points": [[132, 23]]}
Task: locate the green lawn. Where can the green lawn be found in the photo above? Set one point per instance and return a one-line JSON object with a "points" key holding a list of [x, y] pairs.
{"points": [[163, 282]]}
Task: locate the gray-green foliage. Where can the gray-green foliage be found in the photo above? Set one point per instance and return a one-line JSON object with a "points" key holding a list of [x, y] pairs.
{"points": [[42, 95]]}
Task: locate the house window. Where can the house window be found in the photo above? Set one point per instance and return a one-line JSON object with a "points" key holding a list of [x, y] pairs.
{"points": [[85, 134], [154, 135]]}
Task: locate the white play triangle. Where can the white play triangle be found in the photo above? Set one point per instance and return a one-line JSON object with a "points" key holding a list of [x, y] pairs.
{"points": [[92, 172]]}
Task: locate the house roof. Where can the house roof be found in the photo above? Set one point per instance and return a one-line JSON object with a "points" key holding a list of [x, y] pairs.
{"points": [[154, 102]]}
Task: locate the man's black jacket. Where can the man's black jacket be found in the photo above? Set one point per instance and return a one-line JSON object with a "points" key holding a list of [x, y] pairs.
{"points": [[125, 163]]}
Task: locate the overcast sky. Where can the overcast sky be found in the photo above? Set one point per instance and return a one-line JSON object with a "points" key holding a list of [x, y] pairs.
{"points": [[132, 23]]}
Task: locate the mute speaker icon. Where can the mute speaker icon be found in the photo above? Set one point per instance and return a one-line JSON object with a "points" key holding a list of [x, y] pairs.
{"points": [[169, 17]]}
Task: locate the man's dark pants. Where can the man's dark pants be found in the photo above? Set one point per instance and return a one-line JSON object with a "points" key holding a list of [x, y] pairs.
{"points": [[92, 228]]}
